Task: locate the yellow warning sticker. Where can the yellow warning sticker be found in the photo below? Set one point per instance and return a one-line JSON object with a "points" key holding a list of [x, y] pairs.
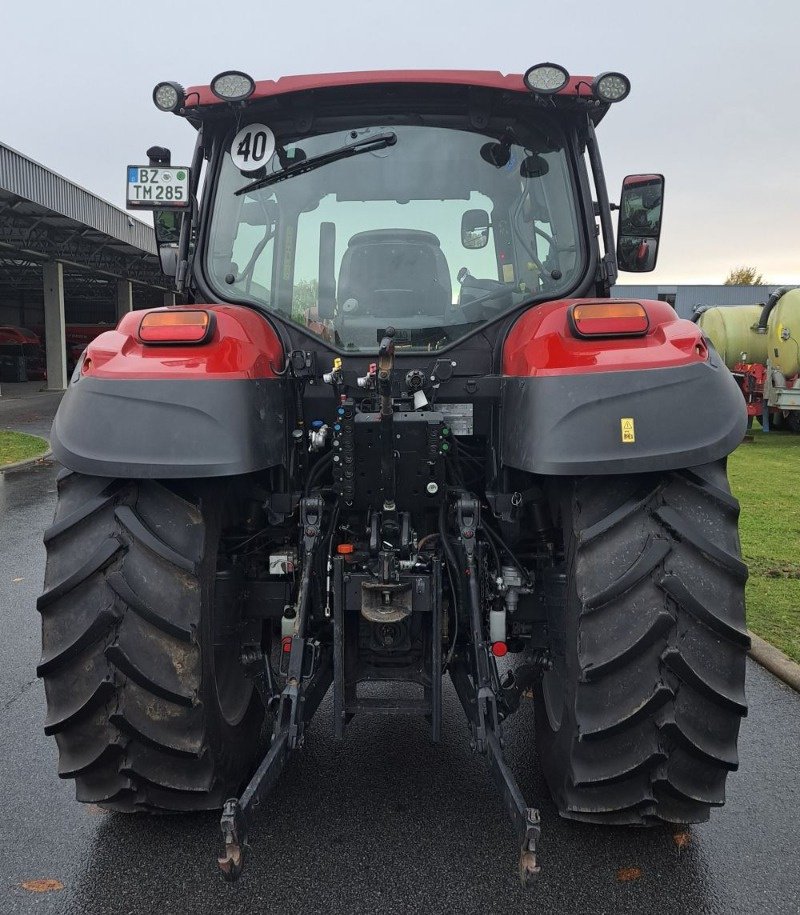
{"points": [[508, 273], [628, 429]]}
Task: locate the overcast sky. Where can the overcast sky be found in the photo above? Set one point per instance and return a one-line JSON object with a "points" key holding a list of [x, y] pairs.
{"points": [[714, 105]]}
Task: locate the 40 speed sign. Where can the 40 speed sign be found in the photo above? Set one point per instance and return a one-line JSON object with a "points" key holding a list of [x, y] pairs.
{"points": [[252, 147]]}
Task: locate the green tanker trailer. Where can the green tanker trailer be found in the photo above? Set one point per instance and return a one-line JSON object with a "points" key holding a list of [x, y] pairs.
{"points": [[760, 344]]}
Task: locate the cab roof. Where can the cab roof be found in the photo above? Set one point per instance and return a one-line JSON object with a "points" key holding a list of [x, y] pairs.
{"points": [[576, 86]]}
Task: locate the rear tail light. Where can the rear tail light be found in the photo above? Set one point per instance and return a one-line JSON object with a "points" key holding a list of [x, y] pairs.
{"points": [[609, 319], [176, 327]]}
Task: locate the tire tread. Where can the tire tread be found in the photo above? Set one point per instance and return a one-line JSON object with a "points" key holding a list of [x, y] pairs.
{"points": [[649, 728], [123, 679]]}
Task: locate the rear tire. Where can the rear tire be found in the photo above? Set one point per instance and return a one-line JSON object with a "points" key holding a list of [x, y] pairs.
{"points": [[637, 723], [146, 713]]}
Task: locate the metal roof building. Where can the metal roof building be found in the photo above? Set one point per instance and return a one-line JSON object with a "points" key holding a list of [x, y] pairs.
{"points": [[684, 299], [68, 257]]}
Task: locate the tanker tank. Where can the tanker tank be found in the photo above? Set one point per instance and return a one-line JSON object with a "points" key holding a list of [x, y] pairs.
{"points": [[732, 332], [783, 334]]}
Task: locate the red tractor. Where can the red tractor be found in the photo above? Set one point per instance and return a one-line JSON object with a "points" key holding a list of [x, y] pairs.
{"points": [[399, 431], [22, 356]]}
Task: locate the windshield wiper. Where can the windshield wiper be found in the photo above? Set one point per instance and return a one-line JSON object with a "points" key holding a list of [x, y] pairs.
{"points": [[370, 144]]}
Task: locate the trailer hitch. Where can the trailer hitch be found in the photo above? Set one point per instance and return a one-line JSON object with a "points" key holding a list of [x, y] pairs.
{"points": [[474, 675], [308, 677]]}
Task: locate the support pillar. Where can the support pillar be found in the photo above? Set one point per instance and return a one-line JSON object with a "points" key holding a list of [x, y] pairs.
{"points": [[54, 329], [124, 298]]}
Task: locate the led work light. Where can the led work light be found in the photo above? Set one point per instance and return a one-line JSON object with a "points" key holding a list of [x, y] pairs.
{"points": [[611, 87], [233, 86], [169, 96], [545, 79]]}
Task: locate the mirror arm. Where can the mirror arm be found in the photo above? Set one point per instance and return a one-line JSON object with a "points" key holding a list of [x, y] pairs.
{"points": [[608, 265], [190, 216]]}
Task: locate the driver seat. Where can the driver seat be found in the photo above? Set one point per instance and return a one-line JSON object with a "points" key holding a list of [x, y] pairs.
{"points": [[395, 273]]}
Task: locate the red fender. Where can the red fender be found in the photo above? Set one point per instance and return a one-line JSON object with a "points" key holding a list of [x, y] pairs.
{"points": [[541, 343], [243, 345]]}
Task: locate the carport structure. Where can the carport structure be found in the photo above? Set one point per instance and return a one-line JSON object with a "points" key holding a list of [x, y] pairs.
{"points": [[67, 256]]}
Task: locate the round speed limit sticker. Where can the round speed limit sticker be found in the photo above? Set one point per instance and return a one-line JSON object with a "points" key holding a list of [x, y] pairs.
{"points": [[252, 147]]}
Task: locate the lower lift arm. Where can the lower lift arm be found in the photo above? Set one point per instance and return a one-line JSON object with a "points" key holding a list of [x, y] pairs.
{"points": [[308, 677], [475, 678]]}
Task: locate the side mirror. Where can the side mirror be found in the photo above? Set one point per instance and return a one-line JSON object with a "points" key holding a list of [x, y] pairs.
{"points": [[167, 226], [168, 255], [534, 167], [639, 227], [475, 229]]}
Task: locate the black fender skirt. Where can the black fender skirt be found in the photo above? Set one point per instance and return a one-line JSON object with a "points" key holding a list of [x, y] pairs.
{"points": [[621, 422], [144, 429]]}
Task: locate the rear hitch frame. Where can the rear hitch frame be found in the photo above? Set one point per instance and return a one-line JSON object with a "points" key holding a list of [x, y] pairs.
{"points": [[311, 670]]}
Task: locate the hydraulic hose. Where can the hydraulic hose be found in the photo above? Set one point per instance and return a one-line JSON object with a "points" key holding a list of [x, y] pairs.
{"points": [[771, 302], [319, 468], [495, 553], [455, 580], [498, 540]]}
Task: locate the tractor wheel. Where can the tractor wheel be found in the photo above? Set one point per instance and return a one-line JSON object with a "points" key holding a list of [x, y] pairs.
{"points": [[146, 697], [637, 721]]}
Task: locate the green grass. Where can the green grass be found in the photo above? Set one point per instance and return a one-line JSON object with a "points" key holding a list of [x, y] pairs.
{"points": [[16, 446], [763, 476]]}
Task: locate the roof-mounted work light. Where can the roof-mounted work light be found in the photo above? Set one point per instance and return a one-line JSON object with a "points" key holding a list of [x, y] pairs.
{"points": [[233, 86], [611, 87], [546, 78], [169, 96]]}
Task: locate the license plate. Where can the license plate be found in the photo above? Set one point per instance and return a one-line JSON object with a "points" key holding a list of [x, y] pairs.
{"points": [[156, 188]]}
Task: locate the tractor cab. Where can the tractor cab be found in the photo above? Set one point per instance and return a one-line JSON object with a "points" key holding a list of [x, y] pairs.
{"points": [[434, 203]]}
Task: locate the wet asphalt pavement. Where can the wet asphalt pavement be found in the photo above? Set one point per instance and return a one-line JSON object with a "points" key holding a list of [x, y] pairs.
{"points": [[383, 822], [28, 409]]}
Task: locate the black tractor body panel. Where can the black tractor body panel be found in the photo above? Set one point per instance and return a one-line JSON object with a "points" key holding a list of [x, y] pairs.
{"points": [[621, 422], [145, 429]]}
